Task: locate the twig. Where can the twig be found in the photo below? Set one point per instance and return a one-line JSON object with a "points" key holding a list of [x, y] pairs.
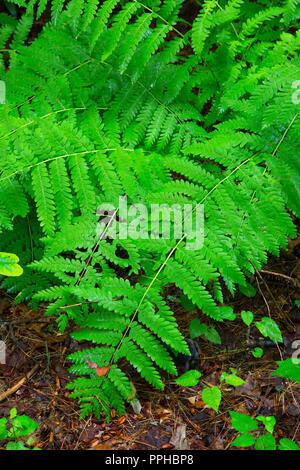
{"points": [[269, 313], [19, 384], [285, 317], [78, 304], [288, 278]]}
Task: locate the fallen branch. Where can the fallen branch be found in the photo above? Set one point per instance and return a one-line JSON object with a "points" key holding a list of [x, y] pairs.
{"points": [[19, 384]]}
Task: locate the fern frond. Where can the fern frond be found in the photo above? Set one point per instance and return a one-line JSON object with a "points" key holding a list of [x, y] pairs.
{"points": [[202, 25], [42, 188]]}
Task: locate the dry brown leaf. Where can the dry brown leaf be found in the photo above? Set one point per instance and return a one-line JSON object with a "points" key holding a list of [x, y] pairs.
{"points": [[192, 400], [104, 446]]}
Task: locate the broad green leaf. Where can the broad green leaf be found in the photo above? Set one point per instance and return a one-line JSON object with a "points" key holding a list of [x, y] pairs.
{"points": [[244, 441], [3, 430], [232, 379], [16, 446], [286, 444], [212, 397], [248, 290], [242, 423], [213, 336], [23, 425], [288, 369], [227, 313], [187, 303], [197, 328], [9, 265], [265, 442], [269, 422], [189, 379], [247, 317], [269, 329]]}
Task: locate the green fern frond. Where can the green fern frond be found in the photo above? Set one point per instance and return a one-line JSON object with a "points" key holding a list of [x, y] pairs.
{"points": [[42, 188], [202, 25]]}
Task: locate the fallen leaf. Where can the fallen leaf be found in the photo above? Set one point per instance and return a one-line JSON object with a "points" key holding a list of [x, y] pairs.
{"points": [[192, 400], [101, 447], [199, 404], [101, 371]]}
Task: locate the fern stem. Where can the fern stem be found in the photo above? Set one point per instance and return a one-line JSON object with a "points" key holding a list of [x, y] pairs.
{"points": [[45, 116], [160, 17], [63, 156]]}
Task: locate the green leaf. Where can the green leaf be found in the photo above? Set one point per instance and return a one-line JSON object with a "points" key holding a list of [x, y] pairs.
{"points": [[227, 313], [197, 328], [187, 303], [212, 397], [232, 379], [13, 413], [257, 352], [265, 442], [248, 290], [3, 430], [269, 329], [23, 425], [286, 444], [288, 369], [16, 446], [189, 379], [269, 422], [246, 440], [30, 441], [247, 317], [9, 265], [242, 423], [213, 336]]}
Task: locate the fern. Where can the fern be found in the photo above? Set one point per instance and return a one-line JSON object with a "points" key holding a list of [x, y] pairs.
{"points": [[201, 26], [290, 11], [112, 99]]}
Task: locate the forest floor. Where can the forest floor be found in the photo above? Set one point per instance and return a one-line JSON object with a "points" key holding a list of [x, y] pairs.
{"points": [[36, 372]]}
